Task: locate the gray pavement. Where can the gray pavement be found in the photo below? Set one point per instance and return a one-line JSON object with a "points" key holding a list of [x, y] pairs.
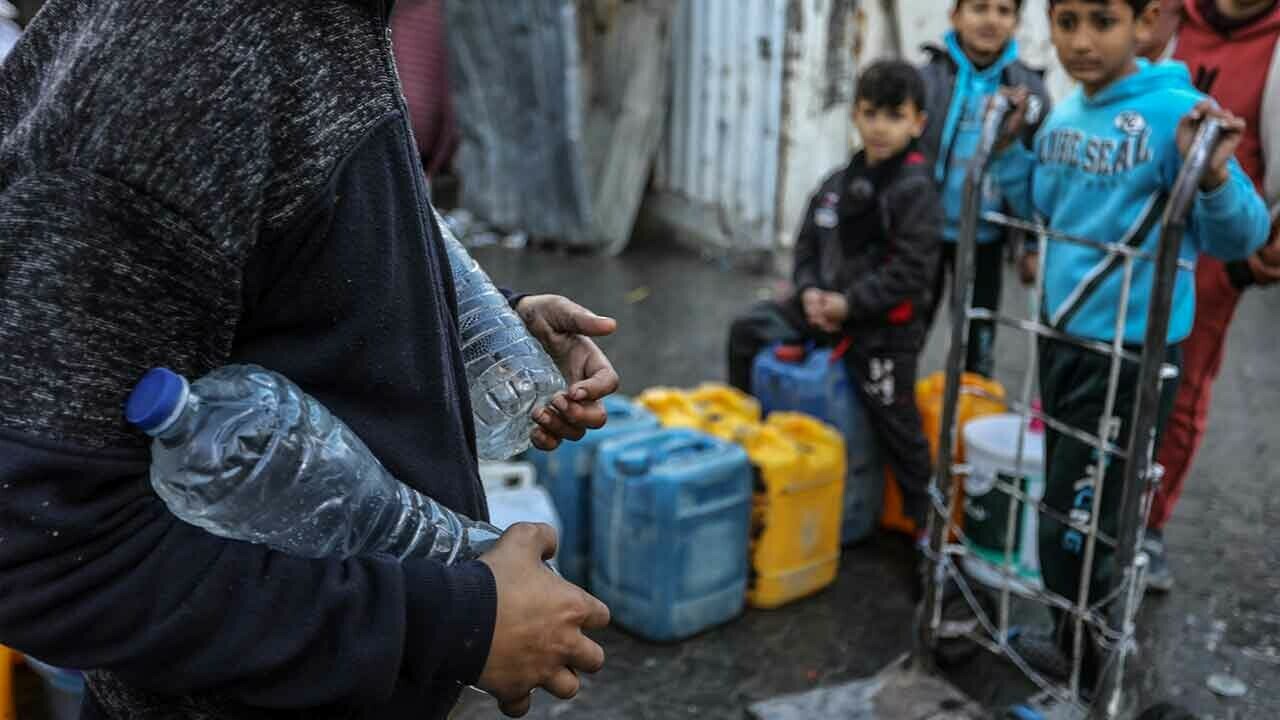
{"points": [[1224, 616], [674, 308]]}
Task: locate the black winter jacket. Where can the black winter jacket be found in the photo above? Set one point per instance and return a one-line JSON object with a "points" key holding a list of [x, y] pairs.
{"points": [[885, 263], [192, 183], [939, 74]]}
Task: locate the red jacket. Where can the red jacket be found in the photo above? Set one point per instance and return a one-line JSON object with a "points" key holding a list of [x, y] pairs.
{"points": [[1241, 70]]}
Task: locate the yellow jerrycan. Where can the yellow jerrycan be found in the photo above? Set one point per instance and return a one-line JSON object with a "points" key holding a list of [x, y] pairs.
{"points": [[672, 406], [795, 550], [716, 401], [979, 397]]}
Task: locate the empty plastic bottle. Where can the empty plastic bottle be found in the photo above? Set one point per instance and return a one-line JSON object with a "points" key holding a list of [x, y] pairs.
{"points": [[245, 454], [509, 374]]}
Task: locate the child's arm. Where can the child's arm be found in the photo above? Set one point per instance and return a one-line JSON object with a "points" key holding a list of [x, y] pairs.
{"points": [[1013, 170], [1228, 219], [1014, 162], [915, 244], [807, 255]]}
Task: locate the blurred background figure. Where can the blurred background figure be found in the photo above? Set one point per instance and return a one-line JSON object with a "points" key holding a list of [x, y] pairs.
{"points": [[422, 54], [9, 29], [1212, 36]]}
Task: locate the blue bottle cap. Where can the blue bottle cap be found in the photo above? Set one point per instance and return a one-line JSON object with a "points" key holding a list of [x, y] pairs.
{"points": [[634, 461], [1022, 712], [155, 400]]}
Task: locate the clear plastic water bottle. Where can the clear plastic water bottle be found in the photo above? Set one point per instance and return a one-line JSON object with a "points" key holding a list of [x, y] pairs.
{"points": [[245, 454], [508, 372]]}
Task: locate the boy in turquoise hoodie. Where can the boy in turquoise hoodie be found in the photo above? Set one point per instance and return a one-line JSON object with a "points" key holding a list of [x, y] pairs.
{"points": [[979, 56], [1101, 167]]}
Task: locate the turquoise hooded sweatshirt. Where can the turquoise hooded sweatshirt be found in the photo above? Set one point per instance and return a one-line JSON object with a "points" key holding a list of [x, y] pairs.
{"points": [[1101, 168], [961, 130]]}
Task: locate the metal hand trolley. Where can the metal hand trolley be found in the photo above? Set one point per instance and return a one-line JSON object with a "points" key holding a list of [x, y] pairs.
{"points": [[1110, 619], [912, 687]]}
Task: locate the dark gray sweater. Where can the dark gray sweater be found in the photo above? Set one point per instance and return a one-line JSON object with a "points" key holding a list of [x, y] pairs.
{"points": [[190, 183]]}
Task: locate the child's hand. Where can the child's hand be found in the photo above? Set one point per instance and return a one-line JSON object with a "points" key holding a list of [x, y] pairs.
{"points": [[1232, 130], [565, 329], [1028, 266], [1016, 122], [811, 300], [1264, 273], [1265, 264], [835, 309]]}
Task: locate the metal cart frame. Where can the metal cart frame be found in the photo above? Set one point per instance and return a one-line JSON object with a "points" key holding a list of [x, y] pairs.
{"points": [[1112, 619]]}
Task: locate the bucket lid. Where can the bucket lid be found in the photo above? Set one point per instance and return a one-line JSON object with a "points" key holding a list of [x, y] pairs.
{"points": [[996, 437]]}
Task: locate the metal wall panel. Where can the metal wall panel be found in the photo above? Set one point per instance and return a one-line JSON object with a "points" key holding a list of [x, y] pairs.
{"points": [[759, 113], [817, 128], [561, 106]]}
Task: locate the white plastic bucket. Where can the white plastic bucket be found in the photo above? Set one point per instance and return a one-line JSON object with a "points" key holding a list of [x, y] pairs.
{"points": [[991, 451], [514, 495]]}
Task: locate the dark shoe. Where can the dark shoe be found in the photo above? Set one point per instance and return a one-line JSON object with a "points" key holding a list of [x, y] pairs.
{"points": [[1166, 711], [1159, 577], [1044, 707], [1039, 649]]}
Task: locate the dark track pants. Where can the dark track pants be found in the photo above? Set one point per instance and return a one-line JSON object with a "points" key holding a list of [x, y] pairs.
{"points": [[884, 379], [1073, 387]]}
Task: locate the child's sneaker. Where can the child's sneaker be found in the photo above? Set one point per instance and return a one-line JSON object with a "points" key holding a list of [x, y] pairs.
{"points": [[1040, 650], [1166, 711], [1159, 577]]}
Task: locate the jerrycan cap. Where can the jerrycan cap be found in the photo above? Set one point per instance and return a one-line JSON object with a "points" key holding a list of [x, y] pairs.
{"points": [[633, 462], [789, 353]]}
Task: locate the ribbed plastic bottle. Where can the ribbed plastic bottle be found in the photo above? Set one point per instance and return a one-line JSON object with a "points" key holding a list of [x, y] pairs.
{"points": [[509, 374], [245, 454]]}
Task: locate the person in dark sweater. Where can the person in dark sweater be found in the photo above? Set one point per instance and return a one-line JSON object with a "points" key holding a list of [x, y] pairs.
{"points": [[864, 268], [193, 184]]}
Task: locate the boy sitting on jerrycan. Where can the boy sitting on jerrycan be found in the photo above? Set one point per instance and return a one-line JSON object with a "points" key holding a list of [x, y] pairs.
{"points": [[864, 267]]}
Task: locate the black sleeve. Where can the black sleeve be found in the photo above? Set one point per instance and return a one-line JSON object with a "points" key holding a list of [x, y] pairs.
{"points": [[96, 285], [915, 236], [1239, 273], [513, 297], [807, 254]]}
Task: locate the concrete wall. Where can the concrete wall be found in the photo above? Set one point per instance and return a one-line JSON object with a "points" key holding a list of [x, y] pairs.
{"points": [[760, 104]]}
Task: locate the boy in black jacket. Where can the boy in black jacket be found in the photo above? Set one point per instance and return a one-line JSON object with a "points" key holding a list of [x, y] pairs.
{"points": [[864, 269]]}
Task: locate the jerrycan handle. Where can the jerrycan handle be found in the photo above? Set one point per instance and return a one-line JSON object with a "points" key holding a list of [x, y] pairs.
{"points": [[505, 476], [794, 426], [686, 445], [622, 409]]}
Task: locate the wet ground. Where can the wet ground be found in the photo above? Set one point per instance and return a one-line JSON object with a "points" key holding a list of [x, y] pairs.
{"points": [[673, 308]]}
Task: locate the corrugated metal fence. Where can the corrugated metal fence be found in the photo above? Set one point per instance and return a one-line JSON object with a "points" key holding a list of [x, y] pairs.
{"points": [[759, 112]]}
